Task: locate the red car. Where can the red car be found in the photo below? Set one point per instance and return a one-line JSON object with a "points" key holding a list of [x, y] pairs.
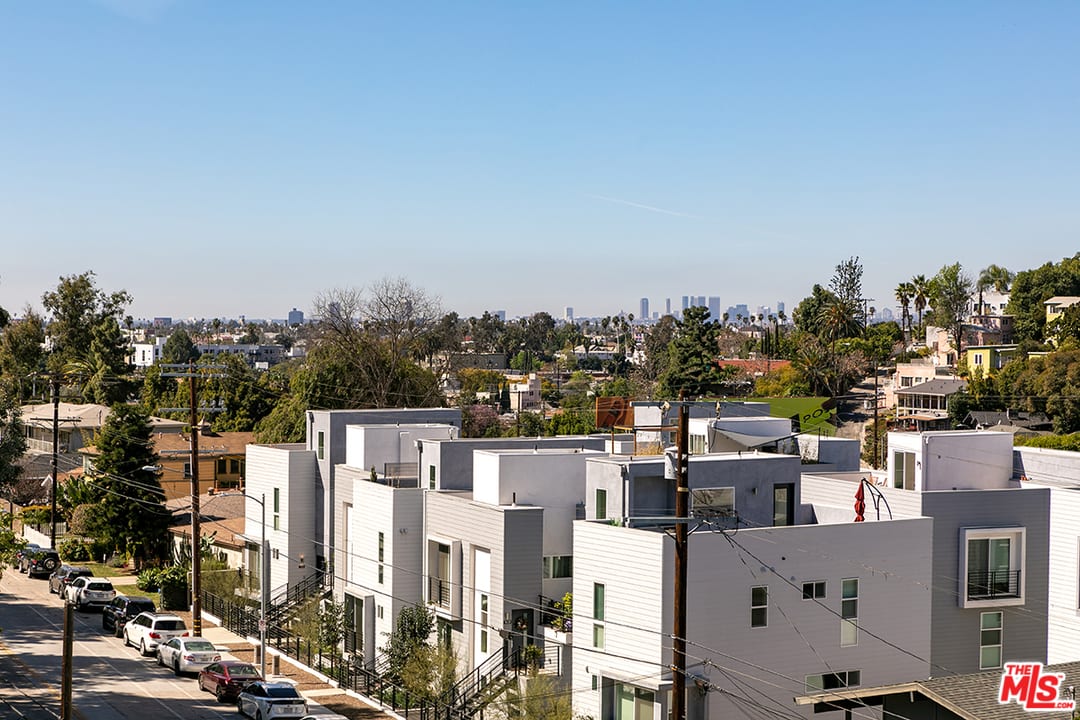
{"points": [[227, 678]]}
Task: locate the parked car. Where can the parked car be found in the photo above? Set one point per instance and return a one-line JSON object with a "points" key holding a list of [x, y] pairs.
{"points": [[64, 575], [227, 678], [24, 550], [147, 630], [187, 654], [116, 614], [40, 562], [90, 591], [268, 700]]}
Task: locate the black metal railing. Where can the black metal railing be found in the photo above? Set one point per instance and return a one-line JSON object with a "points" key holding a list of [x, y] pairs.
{"points": [[993, 584], [372, 680], [481, 686], [439, 591], [552, 615], [290, 596]]}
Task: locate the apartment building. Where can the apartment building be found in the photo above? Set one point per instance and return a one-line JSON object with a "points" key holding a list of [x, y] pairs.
{"points": [[777, 603]]}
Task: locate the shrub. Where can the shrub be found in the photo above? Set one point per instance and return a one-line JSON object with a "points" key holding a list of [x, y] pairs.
{"points": [[36, 515], [74, 550], [117, 560], [149, 579]]}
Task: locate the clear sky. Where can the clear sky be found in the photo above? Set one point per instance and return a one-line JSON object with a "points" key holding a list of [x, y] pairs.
{"points": [[224, 158]]}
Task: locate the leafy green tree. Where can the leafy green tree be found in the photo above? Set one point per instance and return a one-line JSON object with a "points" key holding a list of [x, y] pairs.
{"points": [[693, 371], [132, 501], [1032, 288], [12, 439], [179, 349], [950, 291], [808, 314], [242, 395], [572, 421], [846, 285], [486, 332], [430, 672], [75, 308], [22, 352], [411, 632]]}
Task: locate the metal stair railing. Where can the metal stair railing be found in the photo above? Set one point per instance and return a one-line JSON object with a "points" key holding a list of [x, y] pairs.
{"points": [[290, 596], [469, 695]]}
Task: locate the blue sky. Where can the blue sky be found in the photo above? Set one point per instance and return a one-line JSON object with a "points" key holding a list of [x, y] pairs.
{"points": [[226, 158]]}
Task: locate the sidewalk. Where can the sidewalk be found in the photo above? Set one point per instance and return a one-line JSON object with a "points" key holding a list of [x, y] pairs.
{"points": [[325, 700]]}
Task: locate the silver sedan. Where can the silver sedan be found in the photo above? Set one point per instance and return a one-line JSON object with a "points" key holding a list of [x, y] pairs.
{"points": [[187, 654]]}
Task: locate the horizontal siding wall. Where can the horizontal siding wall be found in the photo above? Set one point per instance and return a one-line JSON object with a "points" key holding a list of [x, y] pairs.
{"points": [[1063, 641]]}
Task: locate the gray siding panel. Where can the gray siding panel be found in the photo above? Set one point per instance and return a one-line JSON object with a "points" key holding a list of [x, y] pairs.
{"points": [[955, 630]]}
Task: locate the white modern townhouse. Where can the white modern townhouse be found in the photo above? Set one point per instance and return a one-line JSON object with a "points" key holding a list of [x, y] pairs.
{"points": [[991, 534], [494, 554], [298, 482], [776, 603]]}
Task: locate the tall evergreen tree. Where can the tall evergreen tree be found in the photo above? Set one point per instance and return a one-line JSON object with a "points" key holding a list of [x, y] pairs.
{"points": [[132, 508], [692, 371]]}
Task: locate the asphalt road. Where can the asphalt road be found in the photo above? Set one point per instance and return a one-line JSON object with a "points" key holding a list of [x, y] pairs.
{"points": [[109, 681]]}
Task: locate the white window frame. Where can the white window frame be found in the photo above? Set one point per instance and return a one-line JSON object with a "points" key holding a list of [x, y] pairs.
{"points": [[764, 607], [1017, 551], [814, 586], [849, 613], [983, 645]]}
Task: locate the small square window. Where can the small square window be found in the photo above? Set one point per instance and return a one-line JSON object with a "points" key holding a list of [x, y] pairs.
{"points": [[813, 590]]}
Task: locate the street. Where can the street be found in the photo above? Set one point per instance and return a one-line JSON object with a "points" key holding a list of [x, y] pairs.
{"points": [[110, 681]]}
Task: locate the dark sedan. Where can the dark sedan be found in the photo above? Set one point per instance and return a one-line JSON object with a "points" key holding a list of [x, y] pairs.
{"points": [[226, 679], [116, 614]]}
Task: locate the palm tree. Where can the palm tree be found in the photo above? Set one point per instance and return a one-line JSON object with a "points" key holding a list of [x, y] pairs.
{"points": [[904, 292], [838, 321], [995, 277], [921, 294]]}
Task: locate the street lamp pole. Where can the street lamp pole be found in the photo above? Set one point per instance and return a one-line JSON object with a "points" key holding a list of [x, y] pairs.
{"points": [[264, 575]]}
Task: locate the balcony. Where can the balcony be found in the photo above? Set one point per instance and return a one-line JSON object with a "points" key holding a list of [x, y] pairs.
{"points": [[993, 585], [439, 592]]}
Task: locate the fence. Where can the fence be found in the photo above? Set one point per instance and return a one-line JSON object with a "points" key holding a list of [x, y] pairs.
{"points": [[372, 681]]}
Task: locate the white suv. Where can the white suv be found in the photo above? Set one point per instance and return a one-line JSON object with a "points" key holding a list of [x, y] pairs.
{"points": [[147, 630], [90, 591]]}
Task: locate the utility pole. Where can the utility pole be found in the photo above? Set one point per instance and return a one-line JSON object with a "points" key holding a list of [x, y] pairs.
{"points": [[55, 386], [65, 663], [682, 514], [876, 462], [196, 530]]}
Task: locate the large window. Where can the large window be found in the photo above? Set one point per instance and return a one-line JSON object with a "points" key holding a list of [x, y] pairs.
{"points": [[849, 612], [598, 602], [784, 504], [903, 470], [558, 566], [990, 640], [759, 606], [991, 566], [633, 703]]}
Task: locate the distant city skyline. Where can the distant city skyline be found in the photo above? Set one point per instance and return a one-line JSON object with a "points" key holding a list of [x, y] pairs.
{"points": [[227, 159]]}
